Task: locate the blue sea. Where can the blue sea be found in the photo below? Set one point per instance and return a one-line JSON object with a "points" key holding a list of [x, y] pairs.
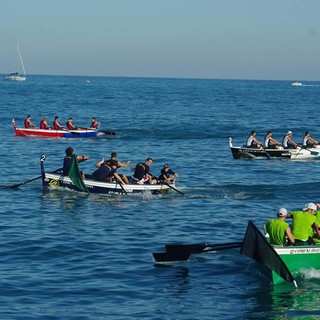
{"points": [[69, 255]]}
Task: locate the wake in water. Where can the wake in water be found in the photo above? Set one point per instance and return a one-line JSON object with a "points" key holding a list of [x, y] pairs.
{"points": [[309, 273]]}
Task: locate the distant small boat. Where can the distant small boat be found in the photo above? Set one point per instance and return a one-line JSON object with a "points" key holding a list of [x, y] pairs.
{"points": [[51, 133], [17, 76], [297, 84], [300, 153]]}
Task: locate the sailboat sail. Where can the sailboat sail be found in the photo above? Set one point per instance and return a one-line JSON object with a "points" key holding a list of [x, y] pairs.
{"points": [[17, 76]]}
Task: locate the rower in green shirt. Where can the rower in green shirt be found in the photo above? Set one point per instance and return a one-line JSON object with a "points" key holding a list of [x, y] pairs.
{"points": [[305, 225], [279, 230]]}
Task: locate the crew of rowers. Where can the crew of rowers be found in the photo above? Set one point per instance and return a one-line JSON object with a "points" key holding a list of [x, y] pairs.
{"points": [[56, 125], [107, 170], [305, 226], [287, 142]]}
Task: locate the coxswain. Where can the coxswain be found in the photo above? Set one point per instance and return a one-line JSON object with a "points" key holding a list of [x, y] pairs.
{"points": [[94, 124], [67, 161]]}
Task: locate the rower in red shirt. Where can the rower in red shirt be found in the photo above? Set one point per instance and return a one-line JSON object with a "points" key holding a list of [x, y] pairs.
{"points": [[43, 123], [27, 123], [70, 125]]}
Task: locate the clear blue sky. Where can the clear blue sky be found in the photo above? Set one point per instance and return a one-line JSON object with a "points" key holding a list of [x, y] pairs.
{"points": [[231, 39]]}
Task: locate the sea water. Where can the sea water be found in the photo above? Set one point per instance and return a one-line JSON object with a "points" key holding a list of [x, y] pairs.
{"points": [[68, 255]]}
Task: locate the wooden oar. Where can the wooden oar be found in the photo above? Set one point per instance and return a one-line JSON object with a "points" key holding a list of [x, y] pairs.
{"points": [[314, 153], [123, 189], [194, 249], [167, 184], [20, 184], [186, 248], [110, 133]]}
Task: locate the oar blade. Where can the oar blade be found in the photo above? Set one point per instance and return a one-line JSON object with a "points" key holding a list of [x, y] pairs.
{"points": [[108, 133], [167, 256]]}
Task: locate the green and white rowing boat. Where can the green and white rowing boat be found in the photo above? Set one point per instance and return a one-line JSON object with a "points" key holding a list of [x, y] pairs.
{"points": [[297, 259]]}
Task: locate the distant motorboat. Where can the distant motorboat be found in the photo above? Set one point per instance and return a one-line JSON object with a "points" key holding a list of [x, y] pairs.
{"points": [[17, 76], [297, 84]]}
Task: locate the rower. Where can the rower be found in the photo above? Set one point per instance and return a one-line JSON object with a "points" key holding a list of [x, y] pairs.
{"points": [[287, 141], [28, 124], [279, 230], [305, 225], [271, 143], [308, 141], [252, 141]]}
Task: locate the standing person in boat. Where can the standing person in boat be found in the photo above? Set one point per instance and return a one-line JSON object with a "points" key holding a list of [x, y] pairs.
{"points": [[119, 165], [70, 125], [68, 160], [305, 225], [271, 143], [167, 174], [94, 124], [28, 124], [252, 141], [142, 173], [287, 141], [308, 141], [279, 230], [106, 171], [56, 124], [44, 124]]}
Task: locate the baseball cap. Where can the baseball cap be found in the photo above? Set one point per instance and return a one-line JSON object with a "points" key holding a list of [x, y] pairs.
{"points": [[166, 165], [310, 205], [282, 212], [289, 132]]}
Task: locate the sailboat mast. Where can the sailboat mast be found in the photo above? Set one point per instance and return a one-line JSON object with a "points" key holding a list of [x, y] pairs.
{"points": [[20, 57]]}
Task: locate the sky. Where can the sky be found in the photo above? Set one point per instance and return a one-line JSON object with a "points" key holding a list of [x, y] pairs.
{"points": [[215, 39]]}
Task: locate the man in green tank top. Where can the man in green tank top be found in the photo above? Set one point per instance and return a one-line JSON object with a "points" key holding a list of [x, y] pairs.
{"points": [[305, 225], [279, 230]]}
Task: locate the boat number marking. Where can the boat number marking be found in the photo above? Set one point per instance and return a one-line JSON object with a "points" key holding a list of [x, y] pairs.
{"points": [[305, 250]]}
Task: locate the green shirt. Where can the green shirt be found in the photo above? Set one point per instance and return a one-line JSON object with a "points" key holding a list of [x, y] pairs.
{"points": [[302, 224], [277, 231], [315, 239]]}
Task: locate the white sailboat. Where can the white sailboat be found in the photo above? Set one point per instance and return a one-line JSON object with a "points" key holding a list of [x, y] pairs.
{"points": [[17, 76]]}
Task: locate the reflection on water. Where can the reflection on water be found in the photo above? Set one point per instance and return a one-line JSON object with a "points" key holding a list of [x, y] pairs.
{"points": [[284, 301]]}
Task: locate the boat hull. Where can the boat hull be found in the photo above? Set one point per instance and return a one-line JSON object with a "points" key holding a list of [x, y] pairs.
{"points": [[297, 258], [51, 133], [251, 153], [15, 78], [300, 153], [57, 180]]}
